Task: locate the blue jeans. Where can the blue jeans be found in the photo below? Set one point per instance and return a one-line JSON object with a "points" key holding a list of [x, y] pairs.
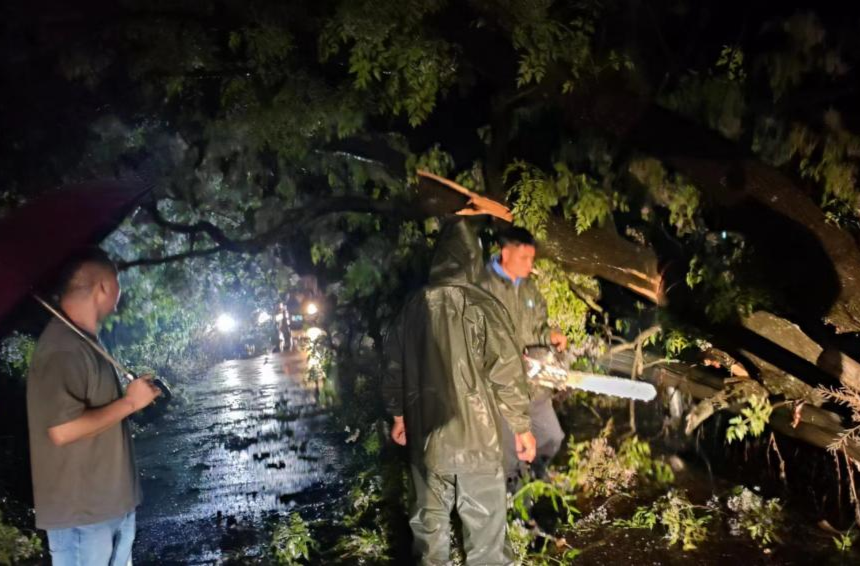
{"points": [[101, 544]]}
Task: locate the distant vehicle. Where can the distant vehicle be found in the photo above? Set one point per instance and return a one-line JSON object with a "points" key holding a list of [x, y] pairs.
{"points": [[308, 313]]}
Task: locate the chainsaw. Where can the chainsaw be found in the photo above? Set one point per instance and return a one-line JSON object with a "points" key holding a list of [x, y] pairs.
{"points": [[545, 368]]}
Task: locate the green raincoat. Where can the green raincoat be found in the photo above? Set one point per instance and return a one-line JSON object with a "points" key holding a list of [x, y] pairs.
{"points": [[453, 366], [454, 371]]}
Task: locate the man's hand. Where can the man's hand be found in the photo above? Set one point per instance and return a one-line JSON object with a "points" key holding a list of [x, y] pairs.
{"points": [[141, 392], [558, 339], [398, 431], [526, 446]]}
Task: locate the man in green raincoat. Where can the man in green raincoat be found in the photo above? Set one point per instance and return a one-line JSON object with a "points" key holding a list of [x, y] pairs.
{"points": [[507, 278], [454, 372]]}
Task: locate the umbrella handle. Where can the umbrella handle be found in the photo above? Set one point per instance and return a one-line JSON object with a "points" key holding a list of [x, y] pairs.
{"points": [[123, 371]]}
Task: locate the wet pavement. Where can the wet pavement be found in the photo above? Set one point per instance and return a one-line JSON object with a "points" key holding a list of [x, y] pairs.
{"points": [[247, 444]]}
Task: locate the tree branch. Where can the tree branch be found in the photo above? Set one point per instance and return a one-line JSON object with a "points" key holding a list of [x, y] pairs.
{"points": [[203, 226], [147, 262], [294, 219]]}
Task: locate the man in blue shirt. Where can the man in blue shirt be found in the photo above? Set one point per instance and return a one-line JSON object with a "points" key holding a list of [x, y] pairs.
{"points": [[507, 277]]}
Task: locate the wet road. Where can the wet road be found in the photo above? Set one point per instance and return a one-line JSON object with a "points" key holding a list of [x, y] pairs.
{"points": [[248, 444]]}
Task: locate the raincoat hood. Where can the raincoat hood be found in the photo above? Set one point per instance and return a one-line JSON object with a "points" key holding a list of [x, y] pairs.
{"points": [[458, 256]]}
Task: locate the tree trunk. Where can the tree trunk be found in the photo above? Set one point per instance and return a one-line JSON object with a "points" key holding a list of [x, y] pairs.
{"points": [[816, 426], [840, 366], [602, 253]]}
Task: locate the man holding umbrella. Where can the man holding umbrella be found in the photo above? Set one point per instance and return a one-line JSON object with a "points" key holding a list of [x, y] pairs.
{"points": [[85, 481]]}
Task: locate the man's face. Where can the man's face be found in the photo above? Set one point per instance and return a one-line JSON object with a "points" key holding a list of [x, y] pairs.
{"points": [[108, 295], [517, 260]]}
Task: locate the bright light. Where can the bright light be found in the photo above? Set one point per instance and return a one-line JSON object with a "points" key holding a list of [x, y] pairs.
{"points": [[313, 333], [264, 318], [225, 323], [312, 309]]}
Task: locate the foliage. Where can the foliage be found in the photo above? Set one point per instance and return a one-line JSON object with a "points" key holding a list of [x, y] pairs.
{"points": [[752, 420], [16, 350], [828, 157], [845, 541], [365, 544], [758, 517], [673, 192], [16, 546], [561, 499], [434, 160], [732, 60], [676, 342], [716, 97], [524, 543], [535, 194], [286, 127], [597, 468], [322, 255], [565, 309], [643, 518], [543, 42], [389, 49], [718, 274], [685, 523], [365, 495], [520, 538], [636, 454], [165, 318], [292, 542], [850, 398]]}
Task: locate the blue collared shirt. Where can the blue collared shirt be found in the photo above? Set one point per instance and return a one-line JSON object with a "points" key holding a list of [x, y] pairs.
{"points": [[497, 267]]}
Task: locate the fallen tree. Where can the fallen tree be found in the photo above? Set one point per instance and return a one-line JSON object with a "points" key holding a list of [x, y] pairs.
{"points": [[813, 425], [784, 359]]}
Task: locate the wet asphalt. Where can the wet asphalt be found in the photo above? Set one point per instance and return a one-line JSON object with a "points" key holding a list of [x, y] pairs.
{"points": [[246, 445]]}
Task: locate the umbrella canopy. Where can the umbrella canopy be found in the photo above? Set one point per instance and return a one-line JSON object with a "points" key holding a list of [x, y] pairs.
{"points": [[36, 239]]}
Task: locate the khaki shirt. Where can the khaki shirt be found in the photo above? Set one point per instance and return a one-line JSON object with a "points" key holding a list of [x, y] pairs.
{"points": [[90, 480]]}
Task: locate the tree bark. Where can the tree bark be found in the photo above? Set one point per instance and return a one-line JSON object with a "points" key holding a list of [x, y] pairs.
{"points": [[601, 252]]}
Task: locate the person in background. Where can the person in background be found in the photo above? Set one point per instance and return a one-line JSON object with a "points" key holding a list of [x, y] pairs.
{"points": [[507, 278], [285, 333], [454, 373], [85, 480]]}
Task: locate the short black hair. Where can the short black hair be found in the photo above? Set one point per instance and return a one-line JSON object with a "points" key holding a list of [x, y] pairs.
{"points": [[516, 236], [82, 256]]}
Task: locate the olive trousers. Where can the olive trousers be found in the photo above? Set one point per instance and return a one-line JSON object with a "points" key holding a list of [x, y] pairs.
{"points": [[480, 502]]}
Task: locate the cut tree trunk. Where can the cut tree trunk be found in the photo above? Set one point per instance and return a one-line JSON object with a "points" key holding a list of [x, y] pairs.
{"points": [[789, 336], [816, 426], [840, 366]]}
